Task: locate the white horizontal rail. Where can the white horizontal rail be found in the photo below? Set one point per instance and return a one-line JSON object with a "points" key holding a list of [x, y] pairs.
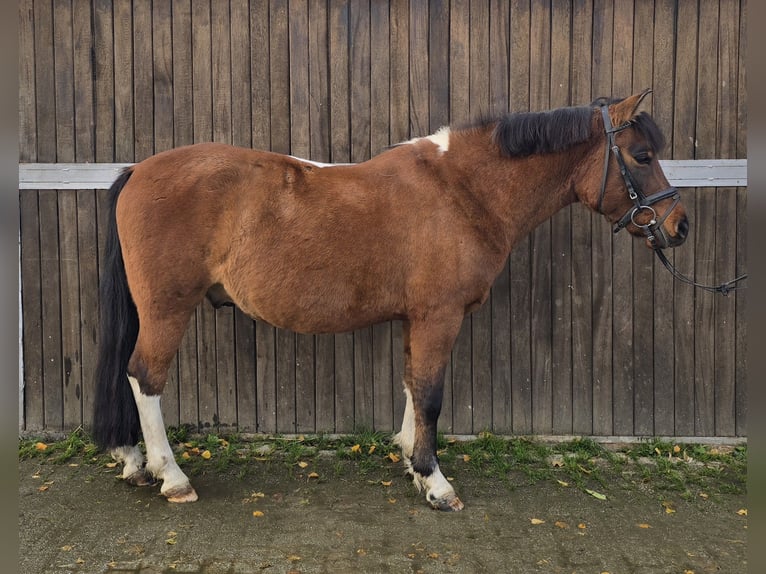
{"points": [[680, 173]]}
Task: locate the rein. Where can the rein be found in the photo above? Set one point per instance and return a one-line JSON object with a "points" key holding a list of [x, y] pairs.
{"points": [[643, 203]]}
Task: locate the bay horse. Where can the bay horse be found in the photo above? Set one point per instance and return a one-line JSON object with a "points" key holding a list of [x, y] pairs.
{"points": [[418, 234]]}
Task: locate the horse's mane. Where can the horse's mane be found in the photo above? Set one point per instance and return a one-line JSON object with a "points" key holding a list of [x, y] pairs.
{"points": [[527, 133]]}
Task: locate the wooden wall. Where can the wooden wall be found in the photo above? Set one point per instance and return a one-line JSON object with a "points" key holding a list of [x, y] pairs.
{"points": [[584, 333]]}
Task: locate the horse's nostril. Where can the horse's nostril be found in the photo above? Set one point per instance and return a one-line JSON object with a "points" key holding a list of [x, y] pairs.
{"points": [[683, 228]]}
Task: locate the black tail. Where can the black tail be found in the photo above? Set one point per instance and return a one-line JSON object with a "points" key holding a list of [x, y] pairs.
{"points": [[115, 420]]}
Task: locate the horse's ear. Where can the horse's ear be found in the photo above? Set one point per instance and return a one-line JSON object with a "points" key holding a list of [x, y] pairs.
{"points": [[625, 110]]}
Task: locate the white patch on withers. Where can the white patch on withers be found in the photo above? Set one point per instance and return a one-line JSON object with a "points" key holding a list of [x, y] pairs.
{"points": [[440, 138]]}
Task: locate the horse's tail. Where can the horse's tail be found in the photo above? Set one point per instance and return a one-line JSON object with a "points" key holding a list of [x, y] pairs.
{"points": [[115, 417]]}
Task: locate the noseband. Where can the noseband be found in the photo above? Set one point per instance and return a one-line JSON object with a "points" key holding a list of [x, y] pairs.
{"points": [[653, 229], [655, 234]]}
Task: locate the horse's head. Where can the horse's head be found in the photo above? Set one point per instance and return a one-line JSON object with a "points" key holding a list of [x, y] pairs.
{"points": [[634, 193]]}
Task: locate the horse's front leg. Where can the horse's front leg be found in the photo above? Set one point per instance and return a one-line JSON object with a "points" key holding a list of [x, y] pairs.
{"points": [[427, 348]]}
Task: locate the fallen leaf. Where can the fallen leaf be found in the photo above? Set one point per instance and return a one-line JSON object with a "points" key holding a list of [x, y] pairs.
{"points": [[293, 558], [73, 465], [170, 541], [185, 455], [704, 496], [676, 449], [657, 450], [742, 511], [43, 488], [536, 521], [67, 548], [688, 571], [668, 506], [189, 444], [643, 525], [313, 475], [80, 561], [361, 552], [41, 446], [257, 513], [595, 494], [433, 555], [206, 454], [561, 524], [466, 457], [392, 501], [562, 483], [303, 464], [393, 457], [582, 526], [386, 482], [372, 450], [356, 448], [195, 450], [110, 464]]}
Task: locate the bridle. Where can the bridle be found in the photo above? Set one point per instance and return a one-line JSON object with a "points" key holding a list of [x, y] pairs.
{"points": [[655, 234]]}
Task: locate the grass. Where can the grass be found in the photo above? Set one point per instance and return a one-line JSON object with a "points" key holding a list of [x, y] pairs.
{"points": [[686, 470]]}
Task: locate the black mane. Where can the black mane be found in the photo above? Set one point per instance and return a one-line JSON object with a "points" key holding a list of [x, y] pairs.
{"points": [[529, 133]]}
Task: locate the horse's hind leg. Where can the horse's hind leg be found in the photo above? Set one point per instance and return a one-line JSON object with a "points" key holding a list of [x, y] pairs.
{"points": [[158, 340], [427, 349]]}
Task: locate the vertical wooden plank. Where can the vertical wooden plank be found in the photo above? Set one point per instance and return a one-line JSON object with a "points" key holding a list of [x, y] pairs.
{"points": [[71, 367], [704, 247], [31, 391], [643, 258], [103, 86], [244, 326], [280, 142], [27, 57], [143, 80], [340, 151], [499, 302], [202, 96], [726, 221], [226, 384], [419, 66], [45, 111], [183, 134], [162, 120], [685, 82], [382, 364], [492, 97], [582, 273], [561, 239], [88, 277], [85, 217], [123, 81], [622, 245], [540, 241], [70, 309], [742, 243], [602, 241], [31, 282], [63, 73], [519, 261], [359, 82], [300, 145], [319, 135], [51, 311], [399, 113], [662, 111]]}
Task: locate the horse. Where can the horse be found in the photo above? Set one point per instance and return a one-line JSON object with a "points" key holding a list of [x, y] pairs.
{"points": [[416, 234]]}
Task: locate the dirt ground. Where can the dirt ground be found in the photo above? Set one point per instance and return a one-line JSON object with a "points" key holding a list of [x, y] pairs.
{"points": [[331, 517]]}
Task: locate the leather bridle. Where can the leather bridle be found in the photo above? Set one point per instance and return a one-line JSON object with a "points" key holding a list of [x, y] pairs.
{"points": [[653, 230], [655, 234]]}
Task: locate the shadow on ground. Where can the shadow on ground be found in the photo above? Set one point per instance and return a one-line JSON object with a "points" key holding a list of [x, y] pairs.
{"points": [[274, 517]]}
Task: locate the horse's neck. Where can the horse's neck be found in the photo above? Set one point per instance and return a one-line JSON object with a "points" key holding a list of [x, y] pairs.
{"points": [[522, 193]]}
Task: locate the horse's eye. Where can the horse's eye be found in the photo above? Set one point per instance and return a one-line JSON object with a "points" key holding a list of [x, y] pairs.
{"points": [[643, 158]]}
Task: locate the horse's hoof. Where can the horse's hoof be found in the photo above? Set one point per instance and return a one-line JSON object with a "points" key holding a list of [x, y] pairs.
{"points": [[140, 478], [179, 494], [447, 504]]}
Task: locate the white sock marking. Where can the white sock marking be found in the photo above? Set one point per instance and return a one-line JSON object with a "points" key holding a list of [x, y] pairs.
{"points": [[160, 460]]}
